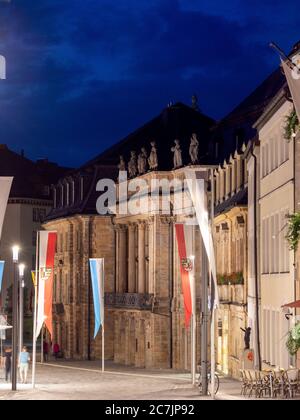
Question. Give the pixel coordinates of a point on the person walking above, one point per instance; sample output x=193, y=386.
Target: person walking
x=24, y=360
x=46, y=351
x=56, y=350
x=7, y=364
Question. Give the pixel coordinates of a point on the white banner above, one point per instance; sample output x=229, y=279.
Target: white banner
x=5, y=186
x=293, y=79
x=199, y=198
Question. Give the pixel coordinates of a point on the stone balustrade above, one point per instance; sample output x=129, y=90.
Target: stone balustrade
x=139, y=301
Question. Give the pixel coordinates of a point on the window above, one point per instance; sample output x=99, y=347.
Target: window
x=73, y=192
x=275, y=249
x=267, y=159
x=62, y=195
x=286, y=149
x=68, y=194
x=54, y=198
x=81, y=188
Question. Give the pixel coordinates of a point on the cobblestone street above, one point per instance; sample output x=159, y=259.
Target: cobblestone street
x=81, y=380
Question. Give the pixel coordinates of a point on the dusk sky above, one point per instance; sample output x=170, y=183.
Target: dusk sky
x=82, y=74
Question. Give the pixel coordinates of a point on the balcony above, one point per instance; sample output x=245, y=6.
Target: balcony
x=138, y=301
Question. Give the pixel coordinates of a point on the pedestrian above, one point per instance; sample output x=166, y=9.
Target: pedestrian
x=7, y=364
x=24, y=360
x=46, y=351
x=56, y=350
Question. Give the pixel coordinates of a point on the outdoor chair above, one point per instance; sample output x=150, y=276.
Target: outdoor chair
x=291, y=382
x=263, y=384
x=246, y=385
x=253, y=385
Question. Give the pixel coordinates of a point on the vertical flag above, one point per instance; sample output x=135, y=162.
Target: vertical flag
x=196, y=187
x=47, y=248
x=5, y=186
x=293, y=78
x=184, y=238
x=1, y=273
x=97, y=277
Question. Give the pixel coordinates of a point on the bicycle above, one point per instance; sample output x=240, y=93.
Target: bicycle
x=217, y=382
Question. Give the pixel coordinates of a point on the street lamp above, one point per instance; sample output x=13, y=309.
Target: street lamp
x=21, y=317
x=15, y=251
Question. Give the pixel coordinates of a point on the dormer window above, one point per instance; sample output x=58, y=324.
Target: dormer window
x=54, y=198
x=67, y=193
x=61, y=195
x=73, y=191
x=81, y=188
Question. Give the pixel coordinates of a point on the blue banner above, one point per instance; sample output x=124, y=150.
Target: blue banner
x=97, y=277
x=1, y=273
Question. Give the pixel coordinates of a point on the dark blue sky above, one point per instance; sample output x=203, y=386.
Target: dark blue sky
x=82, y=74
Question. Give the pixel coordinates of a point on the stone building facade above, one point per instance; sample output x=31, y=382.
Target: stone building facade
x=275, y=200
x=144, y=310
x=230, y=235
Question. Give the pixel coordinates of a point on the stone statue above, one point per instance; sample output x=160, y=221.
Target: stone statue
x=153, y=160
x=247, y=337
x=194, y=149
x=122, y=164
x=142, y=161
x=177, y=155
x=132, y=165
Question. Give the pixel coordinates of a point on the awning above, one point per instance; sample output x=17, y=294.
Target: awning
x=295, y=304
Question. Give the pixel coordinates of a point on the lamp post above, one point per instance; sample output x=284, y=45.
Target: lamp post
x=21, y=317
x=15, y=251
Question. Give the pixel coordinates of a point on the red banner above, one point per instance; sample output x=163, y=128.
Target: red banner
x=185, y=275
x=46, y=277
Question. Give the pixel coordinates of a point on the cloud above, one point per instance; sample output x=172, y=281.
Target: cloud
x=83, y=74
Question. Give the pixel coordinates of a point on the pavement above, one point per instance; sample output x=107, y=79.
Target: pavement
x=84, y=381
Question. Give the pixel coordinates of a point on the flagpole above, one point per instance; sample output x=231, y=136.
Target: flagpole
x=42, y=346
x=35, y=310
x=283, y=55
x=194, y=316
x=212, y=332
x=103, y=336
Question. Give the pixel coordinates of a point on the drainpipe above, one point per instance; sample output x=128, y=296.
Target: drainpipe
x=256, y=261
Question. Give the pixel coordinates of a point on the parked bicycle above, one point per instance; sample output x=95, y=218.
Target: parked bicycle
x=217, y=381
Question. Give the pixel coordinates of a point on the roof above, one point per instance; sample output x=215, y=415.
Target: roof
x=86, y=203
x=178, y=121
x=239, y=199
x=237, y=128
x=175, y=122
x=253, y=106
x=30, y=178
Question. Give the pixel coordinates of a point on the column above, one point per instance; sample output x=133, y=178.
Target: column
x=131, y=259
x=141, y=259
x=122, y=259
